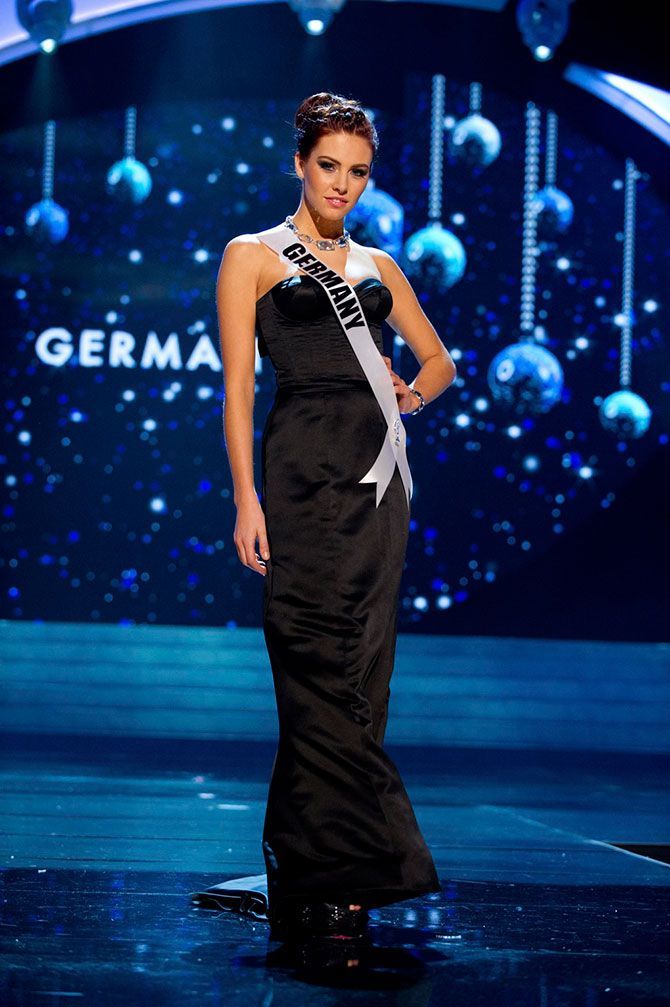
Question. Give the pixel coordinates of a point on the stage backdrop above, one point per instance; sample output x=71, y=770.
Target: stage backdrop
x=118, y=499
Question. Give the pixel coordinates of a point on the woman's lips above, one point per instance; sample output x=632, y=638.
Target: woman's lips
x=335, y=201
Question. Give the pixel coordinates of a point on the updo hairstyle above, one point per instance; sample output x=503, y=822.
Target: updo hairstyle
x=324, y=113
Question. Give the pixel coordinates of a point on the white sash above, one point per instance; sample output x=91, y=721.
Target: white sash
x=352, y=318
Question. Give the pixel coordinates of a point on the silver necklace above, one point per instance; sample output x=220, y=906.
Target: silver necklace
x=326, y=244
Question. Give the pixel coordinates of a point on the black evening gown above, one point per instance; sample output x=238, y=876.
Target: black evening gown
x=339, y=825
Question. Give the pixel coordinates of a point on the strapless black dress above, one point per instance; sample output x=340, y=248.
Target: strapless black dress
x=339, y=825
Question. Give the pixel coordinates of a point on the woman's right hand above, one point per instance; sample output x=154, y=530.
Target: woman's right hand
x=250, y=525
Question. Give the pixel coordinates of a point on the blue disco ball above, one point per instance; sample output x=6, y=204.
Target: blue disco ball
x=526, y=377
x=625, y=414
x=554, y=211
x=47, y=221
x=129, y=181
x=475, y=140
x=378, y=220
x=435, y=257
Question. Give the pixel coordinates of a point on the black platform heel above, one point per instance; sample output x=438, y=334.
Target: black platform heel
x=302, y=920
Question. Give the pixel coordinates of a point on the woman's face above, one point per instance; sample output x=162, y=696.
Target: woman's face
x=338, y=166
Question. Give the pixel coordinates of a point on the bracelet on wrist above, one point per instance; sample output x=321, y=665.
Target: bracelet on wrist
x=422, y=401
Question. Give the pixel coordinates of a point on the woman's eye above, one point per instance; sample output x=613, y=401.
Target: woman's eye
x=360, y=172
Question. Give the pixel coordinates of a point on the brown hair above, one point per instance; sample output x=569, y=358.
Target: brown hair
x=324, y=113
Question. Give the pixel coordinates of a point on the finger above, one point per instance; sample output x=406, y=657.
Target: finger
x=263, y=545
x=242, y=554
x=257, y=563
x=259, y=566
x=253, y=560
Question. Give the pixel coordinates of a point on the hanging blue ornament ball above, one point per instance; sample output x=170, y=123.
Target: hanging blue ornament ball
x=542, y=23
x=554, y=211
x=129, y=181
x=377, y=219
x=475, y=140
x=526, y=377
x=47, y=221
x=625, y=414
x=435, y=257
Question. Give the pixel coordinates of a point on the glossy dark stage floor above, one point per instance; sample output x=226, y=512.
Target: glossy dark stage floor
x=104, y=840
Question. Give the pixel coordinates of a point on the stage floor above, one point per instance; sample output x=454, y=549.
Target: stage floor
x=103, y=841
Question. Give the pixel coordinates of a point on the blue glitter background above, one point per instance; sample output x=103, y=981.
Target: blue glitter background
x=118, y=498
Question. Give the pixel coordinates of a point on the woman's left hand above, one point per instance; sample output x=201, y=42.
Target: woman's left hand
x=407, y=400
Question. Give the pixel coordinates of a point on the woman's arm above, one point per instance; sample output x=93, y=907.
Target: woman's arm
x=409, y=320
x=236, y=311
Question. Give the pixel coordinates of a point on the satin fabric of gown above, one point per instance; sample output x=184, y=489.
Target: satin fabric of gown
x=339, y=825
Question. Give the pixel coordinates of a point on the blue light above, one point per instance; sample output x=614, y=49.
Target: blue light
x=650, y=106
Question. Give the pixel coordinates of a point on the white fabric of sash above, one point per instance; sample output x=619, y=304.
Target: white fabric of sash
x=348, y=310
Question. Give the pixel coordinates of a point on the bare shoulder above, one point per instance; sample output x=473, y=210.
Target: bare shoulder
x=241, y=260
x=248, y=249
x=366, y=258
x=252, y=240
x=389, y=270
x=243, y=244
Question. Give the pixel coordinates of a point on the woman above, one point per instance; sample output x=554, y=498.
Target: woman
x=340, y=835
